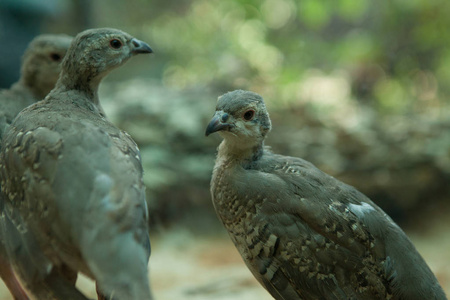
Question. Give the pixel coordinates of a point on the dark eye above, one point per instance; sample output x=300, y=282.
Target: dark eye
x=249, y=114
x=55, y=56
x=115, y=44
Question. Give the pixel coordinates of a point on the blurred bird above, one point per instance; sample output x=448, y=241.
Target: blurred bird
x=72, y=183
x=302, y=233
x=41, y=65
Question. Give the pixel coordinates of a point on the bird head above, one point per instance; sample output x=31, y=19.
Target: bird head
x=95, y=52
x=241, y=118
x=41, y=62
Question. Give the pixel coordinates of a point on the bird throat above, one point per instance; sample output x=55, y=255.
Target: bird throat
x=231, y=151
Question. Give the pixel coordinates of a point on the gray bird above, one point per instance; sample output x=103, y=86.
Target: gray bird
x=72, y=183
x=302, y=233
x=41, y=64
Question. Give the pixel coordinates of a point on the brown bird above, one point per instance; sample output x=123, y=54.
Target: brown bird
x=302, y=233
x=72, y=183
x=41, y=65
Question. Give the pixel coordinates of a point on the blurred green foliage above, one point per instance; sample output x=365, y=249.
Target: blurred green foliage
x=394, y=55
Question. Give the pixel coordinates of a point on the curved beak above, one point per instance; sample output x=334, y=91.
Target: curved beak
x=216, y=125
x=140, y=47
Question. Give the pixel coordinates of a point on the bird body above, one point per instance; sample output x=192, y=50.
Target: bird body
x=54, y=137
x=73, y=181
x=302, y=233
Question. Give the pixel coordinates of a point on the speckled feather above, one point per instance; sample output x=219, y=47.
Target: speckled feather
x=73, y=180
x=302, y=233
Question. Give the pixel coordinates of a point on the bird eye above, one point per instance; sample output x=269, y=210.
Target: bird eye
x=55, y=56
x=225, y=117
x=249, y=114
x=115, y=44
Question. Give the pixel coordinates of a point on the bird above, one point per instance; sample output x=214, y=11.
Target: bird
x=302, y=233
x=41, y=64
x=72, y=183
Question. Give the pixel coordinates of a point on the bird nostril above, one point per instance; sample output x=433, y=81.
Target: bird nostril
x=224, y=117
x=135, y=43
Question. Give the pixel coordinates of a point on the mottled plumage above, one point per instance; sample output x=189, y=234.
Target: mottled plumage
x=41, y=65
x=73, y=185
x=302, y=233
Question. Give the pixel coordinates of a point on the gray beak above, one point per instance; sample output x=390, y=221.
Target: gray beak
x=216, y=124
x=140, y=47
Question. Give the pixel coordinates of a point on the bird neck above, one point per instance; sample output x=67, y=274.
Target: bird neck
x=231, y=151
x=85, y=86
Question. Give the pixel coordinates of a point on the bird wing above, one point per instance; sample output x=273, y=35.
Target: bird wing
x=313, y=235
x=323, y=238
x=386, y=258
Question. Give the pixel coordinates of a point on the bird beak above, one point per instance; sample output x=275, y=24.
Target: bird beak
x=216, y=124
x=140, y=47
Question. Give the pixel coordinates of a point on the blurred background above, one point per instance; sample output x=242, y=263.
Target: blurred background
x=359, y=88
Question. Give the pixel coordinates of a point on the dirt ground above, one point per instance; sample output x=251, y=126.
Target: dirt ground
x=185, y=266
